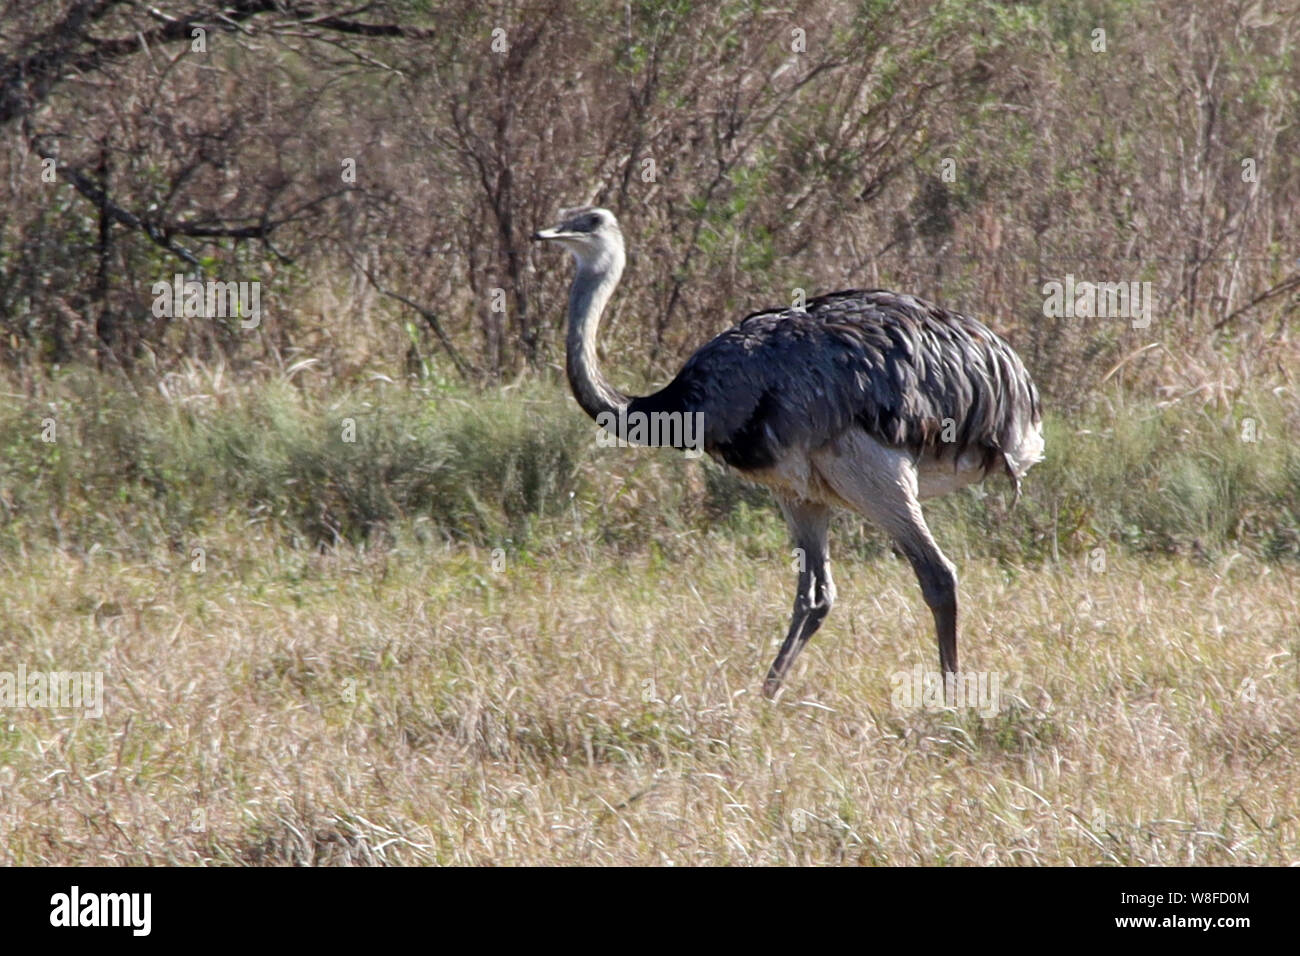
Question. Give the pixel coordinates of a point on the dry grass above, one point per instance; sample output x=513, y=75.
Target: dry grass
x=412, y=705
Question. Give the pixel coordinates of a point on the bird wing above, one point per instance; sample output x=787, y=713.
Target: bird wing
x=909, y=373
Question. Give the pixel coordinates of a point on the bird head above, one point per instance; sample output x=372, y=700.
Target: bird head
x=590, y=233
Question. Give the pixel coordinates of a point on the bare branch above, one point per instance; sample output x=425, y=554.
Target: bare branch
x=162, y=232
x=66, y=48
x=1289, y=284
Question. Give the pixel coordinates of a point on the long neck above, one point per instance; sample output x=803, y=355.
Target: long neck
x=592, y=287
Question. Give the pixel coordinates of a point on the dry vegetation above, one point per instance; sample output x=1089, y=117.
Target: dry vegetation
x=570, y=675
x=590, y=708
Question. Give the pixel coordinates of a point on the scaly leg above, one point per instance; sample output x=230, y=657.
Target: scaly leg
x=809, y=524
x=880, y=483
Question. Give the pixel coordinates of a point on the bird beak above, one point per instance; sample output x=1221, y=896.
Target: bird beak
x=554, y=233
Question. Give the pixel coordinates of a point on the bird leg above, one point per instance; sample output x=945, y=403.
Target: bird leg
x=815, y=594
x=881, y=484
x=938, y=581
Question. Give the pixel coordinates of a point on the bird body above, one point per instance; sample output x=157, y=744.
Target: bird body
x=864, y=399
x=787, y=383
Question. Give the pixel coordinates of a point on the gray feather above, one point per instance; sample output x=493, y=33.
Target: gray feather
x=907, y=372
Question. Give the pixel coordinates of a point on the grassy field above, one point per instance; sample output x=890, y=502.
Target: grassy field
x=503, y=645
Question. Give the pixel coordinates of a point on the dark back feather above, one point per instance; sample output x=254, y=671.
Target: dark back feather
x=894, y=365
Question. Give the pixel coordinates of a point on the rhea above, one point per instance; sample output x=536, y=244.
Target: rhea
x=862, y=399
